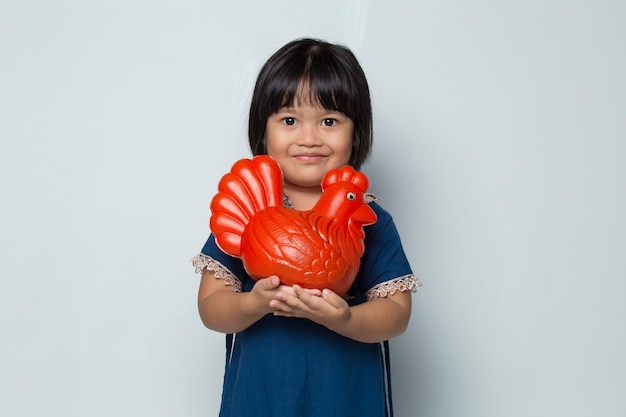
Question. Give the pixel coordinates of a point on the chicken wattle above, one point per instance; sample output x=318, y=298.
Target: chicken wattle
x=318, y=248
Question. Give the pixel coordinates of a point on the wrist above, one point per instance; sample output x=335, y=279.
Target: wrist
x=341, y=323
x=255, y=305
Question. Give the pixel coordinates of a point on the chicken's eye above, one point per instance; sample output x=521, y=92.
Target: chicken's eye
x=350, y=196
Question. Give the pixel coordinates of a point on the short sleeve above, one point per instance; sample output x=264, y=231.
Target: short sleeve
x=226, y=267
x=385, y=268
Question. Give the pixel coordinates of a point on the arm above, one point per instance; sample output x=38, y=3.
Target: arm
x=370, y=322
x=227, y=311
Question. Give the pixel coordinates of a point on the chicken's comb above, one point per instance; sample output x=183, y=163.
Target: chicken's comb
x=346, y=174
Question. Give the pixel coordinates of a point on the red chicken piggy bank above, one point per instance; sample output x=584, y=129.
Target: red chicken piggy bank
x=318, y=248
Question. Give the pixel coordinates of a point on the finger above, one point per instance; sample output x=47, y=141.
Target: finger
x=312, y=304
x=279, y=305
x=304, y=292
x=290, y=301
x=311, y=291
x=286, y=289
x=285, y=310
x=332, y=298
x=314, y=291
x=304, y=295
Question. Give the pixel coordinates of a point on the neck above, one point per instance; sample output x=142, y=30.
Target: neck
x=303, y=198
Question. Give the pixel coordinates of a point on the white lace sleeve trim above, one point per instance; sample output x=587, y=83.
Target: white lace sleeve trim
x=202, y=262
x=405, y=283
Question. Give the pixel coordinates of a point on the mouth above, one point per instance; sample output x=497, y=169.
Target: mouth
x=309, y=158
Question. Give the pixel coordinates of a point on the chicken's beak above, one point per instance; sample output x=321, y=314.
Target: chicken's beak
x=364, y=215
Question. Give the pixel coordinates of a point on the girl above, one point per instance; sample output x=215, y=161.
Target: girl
x=296, y=352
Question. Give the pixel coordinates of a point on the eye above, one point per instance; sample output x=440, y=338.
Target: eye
x=350, y=196
x=329, y=122
x=289, y=121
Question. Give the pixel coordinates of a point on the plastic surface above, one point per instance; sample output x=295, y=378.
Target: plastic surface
x=317, y=248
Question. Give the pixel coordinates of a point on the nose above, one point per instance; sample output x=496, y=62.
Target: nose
x=309, y=135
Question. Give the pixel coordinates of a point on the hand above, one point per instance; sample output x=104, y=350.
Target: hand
x=323, y=307
x=265, y=290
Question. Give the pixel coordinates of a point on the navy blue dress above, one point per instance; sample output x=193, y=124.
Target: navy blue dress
x=290, y=367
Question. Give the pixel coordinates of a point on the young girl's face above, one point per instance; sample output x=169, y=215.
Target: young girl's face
x=307, y=141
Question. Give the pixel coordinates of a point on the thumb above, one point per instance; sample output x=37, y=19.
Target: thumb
x=332, y=298
x=270, y=283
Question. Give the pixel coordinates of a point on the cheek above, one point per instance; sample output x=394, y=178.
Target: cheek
x=348, y=145
x=271, y=140
x=348, y=155
x=272, y=146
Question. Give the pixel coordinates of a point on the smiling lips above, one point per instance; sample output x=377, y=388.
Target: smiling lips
x=309, y=158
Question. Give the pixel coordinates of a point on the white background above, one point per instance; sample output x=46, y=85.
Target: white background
x=500, y=150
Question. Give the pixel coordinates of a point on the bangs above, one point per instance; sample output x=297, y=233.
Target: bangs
x=314, y=82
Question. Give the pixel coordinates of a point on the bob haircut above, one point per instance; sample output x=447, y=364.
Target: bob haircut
x=332, y=77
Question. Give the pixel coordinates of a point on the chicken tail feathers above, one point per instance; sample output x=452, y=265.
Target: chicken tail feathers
x=251, y=185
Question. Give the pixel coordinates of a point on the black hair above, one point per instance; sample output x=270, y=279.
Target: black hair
x=332, y=77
